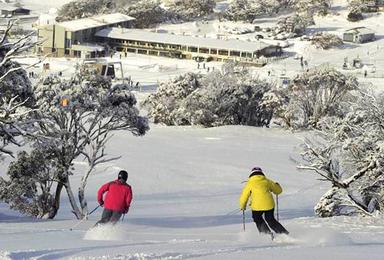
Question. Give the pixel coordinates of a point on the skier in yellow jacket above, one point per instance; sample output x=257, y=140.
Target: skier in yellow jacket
x=259, y=188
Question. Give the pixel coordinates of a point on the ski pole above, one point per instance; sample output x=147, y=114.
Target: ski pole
x=85, y=217
x=277, y=207
x=93, y=210
x=123, y=218
x=233, y=212
x=244, y=220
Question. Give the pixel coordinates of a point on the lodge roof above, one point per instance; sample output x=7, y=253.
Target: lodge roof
x=166, y=38
x=95, y=21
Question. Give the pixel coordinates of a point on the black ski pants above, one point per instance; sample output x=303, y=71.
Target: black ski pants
x=109, y=216
x=270, y=219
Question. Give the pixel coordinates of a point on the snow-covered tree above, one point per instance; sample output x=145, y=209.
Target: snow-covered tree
x=356, y=8
x=349, y=153
x=326, y=41
x=228, y=97
x=162, y=104
x=248, y=10
x=29, y=184
x=84, y=8
x=76, y=118
x=320, y=7
x=16, y=97
x=296, y=23
x=314, y=95
x=189, y=9
x=147, y=12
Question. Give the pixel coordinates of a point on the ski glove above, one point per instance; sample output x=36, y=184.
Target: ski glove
x=101, y=203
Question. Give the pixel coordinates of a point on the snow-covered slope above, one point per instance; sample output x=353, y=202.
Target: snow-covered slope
x=187, y=180
x=186, y=184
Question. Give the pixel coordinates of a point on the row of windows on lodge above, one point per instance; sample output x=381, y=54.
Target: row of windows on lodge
x=184, y=48
x=156, y=53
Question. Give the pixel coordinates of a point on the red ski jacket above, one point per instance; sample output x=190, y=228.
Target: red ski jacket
x=118, y=198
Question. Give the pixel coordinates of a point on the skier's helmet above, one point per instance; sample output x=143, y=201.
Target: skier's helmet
x=123, y=175
x=256, y=169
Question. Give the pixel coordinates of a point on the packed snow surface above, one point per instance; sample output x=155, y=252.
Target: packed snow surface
x=186, y=183
x=187, y=180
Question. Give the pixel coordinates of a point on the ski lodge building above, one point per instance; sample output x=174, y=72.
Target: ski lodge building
x=185, y=47
x=76, y=38
x=92, y=37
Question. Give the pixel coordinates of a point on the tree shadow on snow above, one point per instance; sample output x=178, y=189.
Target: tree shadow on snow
x=14, y=219
x=189, y=222
x=58, y=253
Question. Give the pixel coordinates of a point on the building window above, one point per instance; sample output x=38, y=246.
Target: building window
x=204, y=50
x=153, y=53
x=142, y=51
x=66, y=52
x=68, y=43
x=77, y=53
x=192, y=49
x=164, y=54
x=213, y=51
x=235, y=53
x=223, y=52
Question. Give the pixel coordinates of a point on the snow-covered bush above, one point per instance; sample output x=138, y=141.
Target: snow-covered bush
x=312, y=7
x=248, y=10
x=228, y=97
x=28, y=189
x=314, y=95
x=326, y=41
x=84, y=8
x=147, y=12
x=295, y=23
x=356, y=8
x=348, y=153
x=189, y=9
x=16, y=97
x=162, y=105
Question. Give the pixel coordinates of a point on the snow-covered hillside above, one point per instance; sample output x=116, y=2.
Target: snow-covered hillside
x=186, y=184
x=187, y=180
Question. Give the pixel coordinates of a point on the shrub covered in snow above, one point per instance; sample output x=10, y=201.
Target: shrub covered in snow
x=356, y=8
x=320, y=7
x=349, y=154
x=16, y=95
x=228, y=97
x=326, y=41
x=28, y=188
x=189, y=9
x=84, y=8
x=315, y=95
x=248, y=10
x=147, y=12
x=295, y=23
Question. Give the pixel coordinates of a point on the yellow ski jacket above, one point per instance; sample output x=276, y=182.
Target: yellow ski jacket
x=259, y=188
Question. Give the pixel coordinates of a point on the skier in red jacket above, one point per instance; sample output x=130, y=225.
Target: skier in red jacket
x=117, y=200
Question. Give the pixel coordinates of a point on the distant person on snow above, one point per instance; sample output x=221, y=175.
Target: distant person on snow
x=259, y=188
x=117, y=200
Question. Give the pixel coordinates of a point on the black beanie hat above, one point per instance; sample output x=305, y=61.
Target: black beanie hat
x=123, y=175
